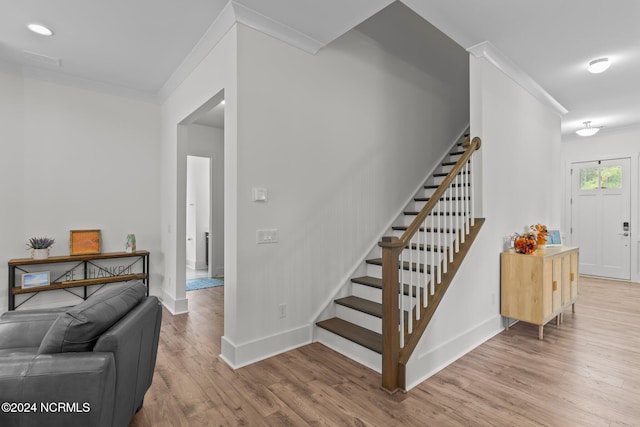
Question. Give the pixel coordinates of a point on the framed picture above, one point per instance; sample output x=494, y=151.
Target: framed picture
x=554, y=238
x=32, y=280
x=84, y=242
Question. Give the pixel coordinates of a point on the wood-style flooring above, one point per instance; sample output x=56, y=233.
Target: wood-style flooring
x=586, y=372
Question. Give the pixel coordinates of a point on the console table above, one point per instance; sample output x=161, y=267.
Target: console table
x=79, y=271
x=536, y=288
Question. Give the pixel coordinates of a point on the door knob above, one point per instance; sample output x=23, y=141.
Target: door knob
x=623, y=234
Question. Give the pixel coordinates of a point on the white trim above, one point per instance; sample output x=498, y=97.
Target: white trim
x=282, y=32
x=247, y=353
x=489, y=52
x=174, y=306
x=217, y=30
x=421, y=367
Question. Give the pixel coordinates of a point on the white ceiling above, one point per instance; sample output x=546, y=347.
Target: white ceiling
x=137, y=46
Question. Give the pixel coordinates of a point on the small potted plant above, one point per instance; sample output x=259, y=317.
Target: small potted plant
x=39, y=247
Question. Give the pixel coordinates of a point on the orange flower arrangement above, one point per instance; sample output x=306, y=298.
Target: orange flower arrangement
x=541, y=233
x=526, y=243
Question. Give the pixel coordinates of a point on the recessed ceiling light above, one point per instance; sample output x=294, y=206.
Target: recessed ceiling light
x=222, y=102
x=598, y=65
x=587, y=130
x=40, y=29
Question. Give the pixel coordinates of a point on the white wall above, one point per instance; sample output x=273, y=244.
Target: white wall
x=78, y=159
x=214, y=78
x=12, y=244
x=340, y=140
x=607, y=144
x=520, y=157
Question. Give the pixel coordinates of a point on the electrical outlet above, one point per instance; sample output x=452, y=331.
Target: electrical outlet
x=282, y=310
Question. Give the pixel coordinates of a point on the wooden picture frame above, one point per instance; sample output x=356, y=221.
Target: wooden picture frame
x=33, y=280
x=85, y=242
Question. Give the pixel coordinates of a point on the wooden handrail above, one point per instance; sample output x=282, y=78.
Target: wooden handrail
x=393, y=357
x=470, y=147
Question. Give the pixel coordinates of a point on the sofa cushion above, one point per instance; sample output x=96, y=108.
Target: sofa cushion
x=79, y=327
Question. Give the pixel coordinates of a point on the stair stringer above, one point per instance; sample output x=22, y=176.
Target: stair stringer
x=344, y=285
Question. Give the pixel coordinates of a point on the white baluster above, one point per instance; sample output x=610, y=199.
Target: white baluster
x=400, y=282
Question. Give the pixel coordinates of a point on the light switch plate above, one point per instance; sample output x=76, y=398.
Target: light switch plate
x=259, y=195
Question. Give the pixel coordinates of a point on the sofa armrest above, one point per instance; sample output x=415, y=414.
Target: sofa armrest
x=57, y=389
x=25, y=328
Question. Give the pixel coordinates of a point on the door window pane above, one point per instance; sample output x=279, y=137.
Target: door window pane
x=611, y=177
x=589, y=178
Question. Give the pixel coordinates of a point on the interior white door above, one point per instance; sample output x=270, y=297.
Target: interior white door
x=600, y=217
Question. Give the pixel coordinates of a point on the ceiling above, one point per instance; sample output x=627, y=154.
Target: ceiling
x=139, y=47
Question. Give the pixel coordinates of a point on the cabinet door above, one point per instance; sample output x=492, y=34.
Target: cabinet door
x=573, y=275
x=556, y=284
x=547, y=290
x=566, y=279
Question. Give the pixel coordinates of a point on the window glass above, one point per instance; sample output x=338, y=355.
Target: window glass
x=589, y=178
x=611, y=177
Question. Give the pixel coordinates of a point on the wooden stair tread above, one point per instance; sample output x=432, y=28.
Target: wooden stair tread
x=426, y=199
x=414, y=213
x=376, y=282
x=422, y=229
x=434, y=186
x=361, y=304
x=357, y=334
x=373, y=282
x=405, y=265
x=440, y=174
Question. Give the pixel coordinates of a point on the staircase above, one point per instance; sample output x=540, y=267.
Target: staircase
x=428, y=249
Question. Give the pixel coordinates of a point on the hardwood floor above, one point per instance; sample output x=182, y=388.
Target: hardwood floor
x=586, y=372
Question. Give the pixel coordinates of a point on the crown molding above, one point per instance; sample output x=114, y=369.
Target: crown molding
x=63, y=79
x=216, y=31
x=271, y=27
x=489, y=52
x=231, y=14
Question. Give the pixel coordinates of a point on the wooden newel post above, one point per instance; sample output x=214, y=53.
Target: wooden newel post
x=391, y=248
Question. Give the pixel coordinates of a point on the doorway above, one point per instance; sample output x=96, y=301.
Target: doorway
x=203, y=136
x=601, y=216
x=198, y=216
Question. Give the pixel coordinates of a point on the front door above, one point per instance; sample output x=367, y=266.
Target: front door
x=600, y=217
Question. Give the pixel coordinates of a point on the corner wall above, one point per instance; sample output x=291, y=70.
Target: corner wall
x=519, y=186
x=77, y=159
x=340, y=140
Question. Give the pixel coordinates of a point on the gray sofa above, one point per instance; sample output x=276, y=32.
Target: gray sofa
x=87, y=365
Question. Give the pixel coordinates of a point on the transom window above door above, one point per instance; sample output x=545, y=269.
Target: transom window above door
x=600, y=177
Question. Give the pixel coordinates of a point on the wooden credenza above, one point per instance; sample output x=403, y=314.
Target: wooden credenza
x=538, y=287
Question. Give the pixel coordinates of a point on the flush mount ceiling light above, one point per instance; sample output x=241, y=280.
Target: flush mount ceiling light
x=587, y=130
x=598, y=65
x=40, y=29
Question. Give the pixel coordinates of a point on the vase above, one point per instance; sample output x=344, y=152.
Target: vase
x=40, y=253
x=131, y=243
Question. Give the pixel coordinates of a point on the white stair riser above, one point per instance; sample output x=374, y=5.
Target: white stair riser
x=356, y=352
x=445, y=205
x=375, y=295
x=359, y=318
x=432, y=221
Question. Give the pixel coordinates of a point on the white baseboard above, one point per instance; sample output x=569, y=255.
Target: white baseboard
x=423, y=366
x=239, y=355
x=174, y=306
